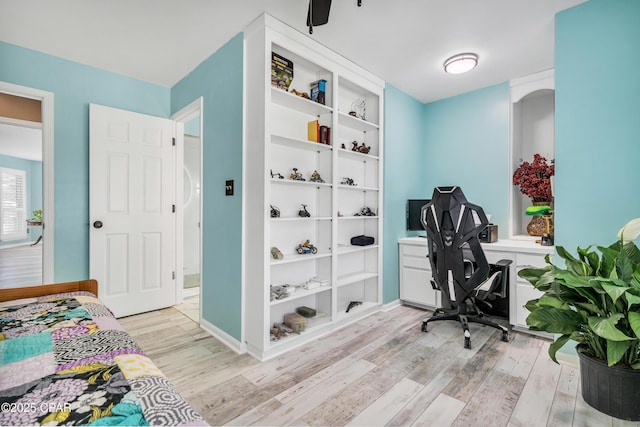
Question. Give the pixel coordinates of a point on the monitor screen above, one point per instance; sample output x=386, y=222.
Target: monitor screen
x=414, y=207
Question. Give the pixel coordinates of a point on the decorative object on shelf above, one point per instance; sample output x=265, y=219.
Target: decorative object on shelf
x=304, y=213
x=281, y=71
x=534, y=180
x=544, y=212
x=593, y=299
x=275, y=212
x=306, y=248
x=317, y=90
x=340, y=214
x=359, y=108
x=305, y=311
x=295, y=322
x=343, y=147
x=296, y=176
x=362, y=240
x=276, y=175
x=315, y=177
x=304, y=95
x=325, y=135
x=276, y=254
x=353, y=304
x=366, y=211
x=360, y=148
x=348, y=181
x=279, y=292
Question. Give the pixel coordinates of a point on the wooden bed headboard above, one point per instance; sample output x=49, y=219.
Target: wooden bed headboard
x=90, y=285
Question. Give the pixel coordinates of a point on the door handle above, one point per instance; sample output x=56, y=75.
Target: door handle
x=97, y=224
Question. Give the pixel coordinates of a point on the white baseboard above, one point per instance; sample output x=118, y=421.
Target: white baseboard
x=190, y=292
x=391, y=305
x=224, y=337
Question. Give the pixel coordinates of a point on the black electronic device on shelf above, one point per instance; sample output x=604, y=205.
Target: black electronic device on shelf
x=414, y=208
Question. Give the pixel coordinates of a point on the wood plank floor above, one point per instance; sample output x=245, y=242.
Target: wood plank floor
x=379, y=371
x=20, y=266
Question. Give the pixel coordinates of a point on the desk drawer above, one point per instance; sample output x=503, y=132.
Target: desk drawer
x=421, y=263
x=530, y=260
x=413, y=250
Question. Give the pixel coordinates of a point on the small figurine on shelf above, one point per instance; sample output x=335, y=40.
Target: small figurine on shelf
x=275, y=212
x=304, y=213
x=359, y=108
x=366, y=211
x=353, y=304
x=296, y=176
x=315, y=177
x=348, y=181
x=343, y=147
x=276, y=254
x=306, y=248
x=360, y=148
x=364, y=149
x=276, y=175
x=301, y=94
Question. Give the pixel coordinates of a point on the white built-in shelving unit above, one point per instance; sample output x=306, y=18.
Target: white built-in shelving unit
x=275, y=143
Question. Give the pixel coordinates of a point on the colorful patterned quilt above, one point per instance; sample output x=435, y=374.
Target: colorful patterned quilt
x=64, y=359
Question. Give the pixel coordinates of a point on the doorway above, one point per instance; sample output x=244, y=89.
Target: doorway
x=189, y=159
x=26, y=194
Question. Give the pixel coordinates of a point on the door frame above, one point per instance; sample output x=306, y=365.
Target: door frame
x=48, y=190
x=182, y=116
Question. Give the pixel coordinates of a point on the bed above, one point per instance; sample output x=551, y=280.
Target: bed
x=65, y=359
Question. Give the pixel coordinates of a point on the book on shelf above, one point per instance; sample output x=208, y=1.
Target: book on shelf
x=313, y=131
x=281, y=71
x=318, y=91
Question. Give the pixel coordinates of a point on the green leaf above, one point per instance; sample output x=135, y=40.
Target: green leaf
x=555, y=320
x=634, y=321
x=624, y=267
x=614, y=291
x=609, y=256
x=616, y=350
x=557, y=345
x=633, y=252
x=632, y=299
x=533, y=275
x=591, y=309
x=551, y=301
x=605, y=327
x=532, y=305
x=574, y=265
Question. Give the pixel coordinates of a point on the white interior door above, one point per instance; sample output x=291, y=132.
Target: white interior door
x=132, y=210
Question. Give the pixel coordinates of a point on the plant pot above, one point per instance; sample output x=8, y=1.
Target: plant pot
x=613, y=390
x=538, y=225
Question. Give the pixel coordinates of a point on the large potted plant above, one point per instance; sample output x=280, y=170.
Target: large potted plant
x=595, y=301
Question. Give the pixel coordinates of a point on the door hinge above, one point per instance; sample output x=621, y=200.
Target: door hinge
x=173, y=275
x=173, y=208
x=173, y=142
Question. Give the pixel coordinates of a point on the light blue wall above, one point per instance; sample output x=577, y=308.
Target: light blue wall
x=467, y=144
x=404, y=170
x=219, y=81
x=33, y=172
x=597, y=144
x=75, y=86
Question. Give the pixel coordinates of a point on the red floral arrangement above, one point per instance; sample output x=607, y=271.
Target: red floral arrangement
x=534, y=178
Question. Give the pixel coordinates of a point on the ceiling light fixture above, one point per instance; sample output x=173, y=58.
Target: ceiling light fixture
x=461, y=63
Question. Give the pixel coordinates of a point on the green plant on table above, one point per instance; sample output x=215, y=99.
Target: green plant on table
x=594, y=300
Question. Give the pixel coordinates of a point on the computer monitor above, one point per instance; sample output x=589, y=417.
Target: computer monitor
x=414, y=208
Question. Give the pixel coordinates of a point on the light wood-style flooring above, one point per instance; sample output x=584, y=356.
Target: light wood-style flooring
x=20, y=266
x=379, y=371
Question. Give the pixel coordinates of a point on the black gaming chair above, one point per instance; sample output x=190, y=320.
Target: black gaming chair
x=458, y=264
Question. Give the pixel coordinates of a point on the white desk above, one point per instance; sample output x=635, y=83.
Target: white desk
x=415, y=273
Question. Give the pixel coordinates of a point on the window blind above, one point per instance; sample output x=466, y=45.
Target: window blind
x=13, y=204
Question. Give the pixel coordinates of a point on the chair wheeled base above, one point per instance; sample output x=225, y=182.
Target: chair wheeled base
x=465, y=319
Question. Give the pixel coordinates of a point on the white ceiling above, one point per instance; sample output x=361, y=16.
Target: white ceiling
x=403, y=42
x=21, y=142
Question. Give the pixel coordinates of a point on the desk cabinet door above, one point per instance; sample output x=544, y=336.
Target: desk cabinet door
x=416, y=287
